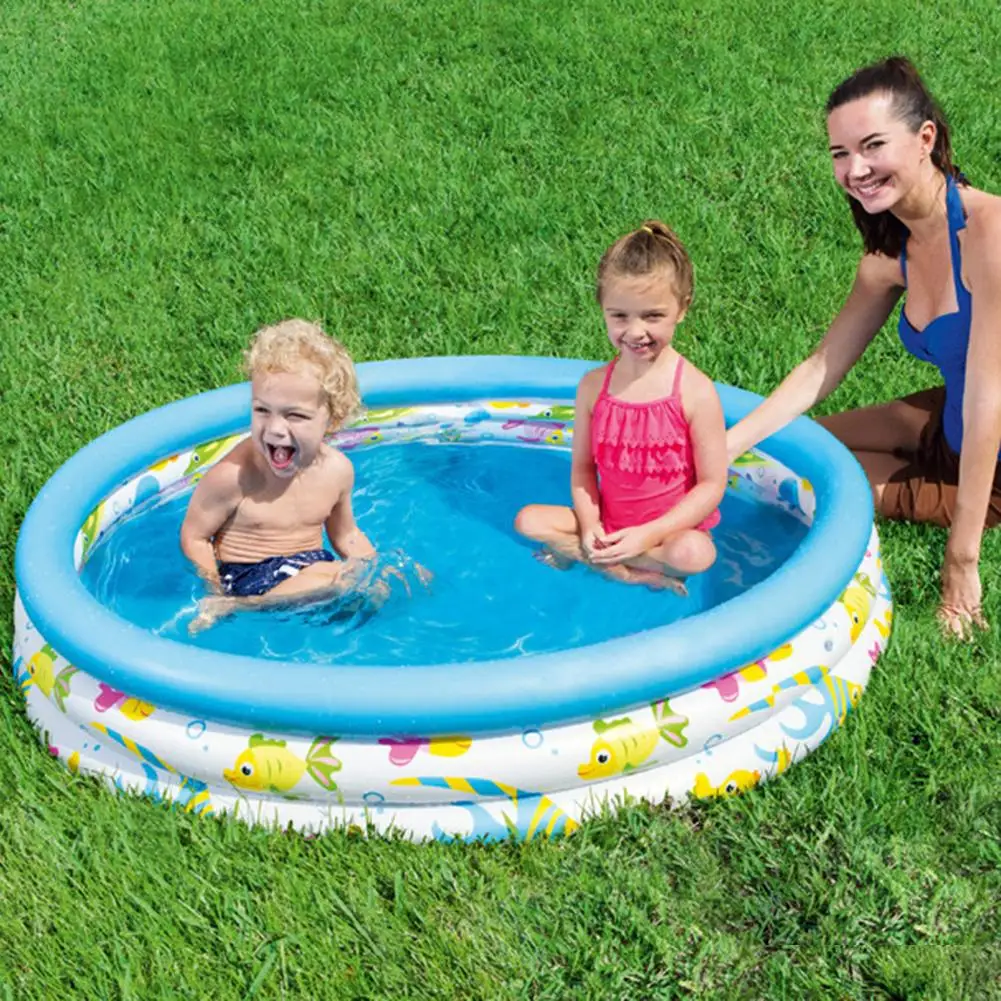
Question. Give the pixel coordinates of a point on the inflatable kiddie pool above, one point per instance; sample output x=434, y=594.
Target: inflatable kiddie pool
x=726, y=694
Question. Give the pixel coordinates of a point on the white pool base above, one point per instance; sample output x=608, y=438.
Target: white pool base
x=526, y=784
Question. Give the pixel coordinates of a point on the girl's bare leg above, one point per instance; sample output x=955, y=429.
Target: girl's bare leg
x=555, y=526
x=678, y=556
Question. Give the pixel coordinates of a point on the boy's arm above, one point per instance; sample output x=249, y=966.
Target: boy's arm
x=348, y=540
x=212, y=504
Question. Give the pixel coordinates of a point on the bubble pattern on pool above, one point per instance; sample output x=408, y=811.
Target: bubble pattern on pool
x=450, y=507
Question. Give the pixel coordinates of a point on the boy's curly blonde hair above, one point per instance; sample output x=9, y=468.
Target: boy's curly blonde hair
x=296, y=346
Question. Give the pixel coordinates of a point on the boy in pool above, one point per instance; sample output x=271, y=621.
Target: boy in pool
x=254, y=525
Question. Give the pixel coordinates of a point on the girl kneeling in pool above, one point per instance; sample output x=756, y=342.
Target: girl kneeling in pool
x=649, y=455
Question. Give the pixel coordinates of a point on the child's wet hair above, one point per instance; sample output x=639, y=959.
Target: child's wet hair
x=295, y=346
x=652, y=249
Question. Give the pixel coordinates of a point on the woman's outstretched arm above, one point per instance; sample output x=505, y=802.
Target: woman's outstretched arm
x=875, y=292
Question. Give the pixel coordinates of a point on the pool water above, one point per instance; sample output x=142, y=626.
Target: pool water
x=451, y=508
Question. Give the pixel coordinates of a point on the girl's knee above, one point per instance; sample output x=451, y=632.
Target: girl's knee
x=690, y=552
x=533, y=522
x=526, y=521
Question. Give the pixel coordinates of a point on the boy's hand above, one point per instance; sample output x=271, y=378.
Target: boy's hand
x=210, y=578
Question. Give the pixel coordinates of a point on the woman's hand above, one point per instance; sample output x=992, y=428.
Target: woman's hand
x=959, y=609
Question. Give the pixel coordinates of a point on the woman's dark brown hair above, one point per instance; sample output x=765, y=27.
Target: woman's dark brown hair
x=882, y=232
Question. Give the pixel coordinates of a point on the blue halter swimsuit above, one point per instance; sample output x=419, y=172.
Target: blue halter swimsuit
x=945, y=340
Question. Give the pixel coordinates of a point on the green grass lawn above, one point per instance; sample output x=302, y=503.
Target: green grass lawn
x=441, y=178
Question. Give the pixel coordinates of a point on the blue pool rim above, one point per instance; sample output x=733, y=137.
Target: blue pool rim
x=468, y=698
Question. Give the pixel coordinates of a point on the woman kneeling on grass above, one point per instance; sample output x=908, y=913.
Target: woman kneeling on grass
x=931, y=456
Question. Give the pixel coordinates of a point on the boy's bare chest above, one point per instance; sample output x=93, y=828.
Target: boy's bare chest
x=303, y=505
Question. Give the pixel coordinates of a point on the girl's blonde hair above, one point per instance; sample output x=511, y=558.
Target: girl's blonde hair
x=651, y=249
x=296, y=346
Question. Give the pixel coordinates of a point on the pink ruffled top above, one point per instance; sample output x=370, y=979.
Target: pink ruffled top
x=643, y=453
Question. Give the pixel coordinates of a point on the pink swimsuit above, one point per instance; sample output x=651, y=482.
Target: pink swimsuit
x=643, y=452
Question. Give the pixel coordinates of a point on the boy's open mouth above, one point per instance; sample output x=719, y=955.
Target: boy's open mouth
x=281, y=456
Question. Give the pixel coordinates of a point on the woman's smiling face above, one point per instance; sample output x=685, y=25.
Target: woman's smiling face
x=877, y=158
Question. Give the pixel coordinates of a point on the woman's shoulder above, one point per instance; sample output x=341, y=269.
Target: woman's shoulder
x=981, y=241
x=983, y=218
x=879, y=273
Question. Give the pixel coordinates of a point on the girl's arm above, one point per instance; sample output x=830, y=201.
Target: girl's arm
x=583, y=477
x=981, y=427
x=348, y=540
x=872, y=298
x=212, y=504
x=708, y=429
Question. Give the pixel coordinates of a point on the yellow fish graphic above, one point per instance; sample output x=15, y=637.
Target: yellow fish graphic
x=208, y=452
x=450, y=747
x=269, y=765
x=857, y=600
x=623, y=745
x=384, y=415
x=136, y=709
x=737, y=781
x=91, y=527
x=41, y=672
x=883, y=628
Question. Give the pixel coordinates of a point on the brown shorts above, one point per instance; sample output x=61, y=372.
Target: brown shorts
x=925, y=489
